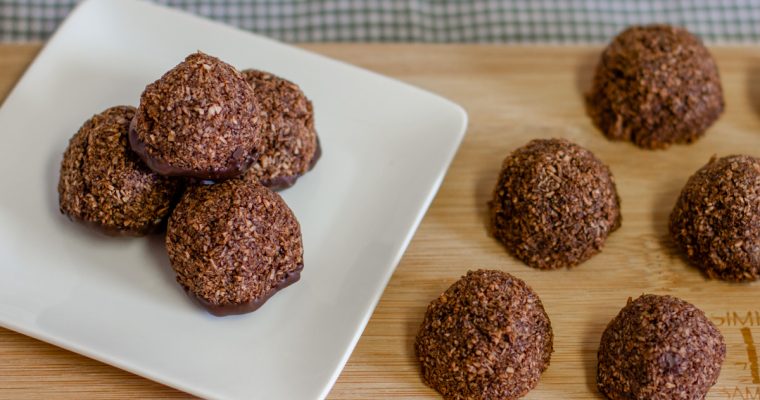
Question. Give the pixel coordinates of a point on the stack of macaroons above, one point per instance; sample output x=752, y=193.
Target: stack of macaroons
x=202, y=151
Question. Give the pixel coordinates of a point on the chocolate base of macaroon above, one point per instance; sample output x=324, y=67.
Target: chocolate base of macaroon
x=242, y=162
x=274, y=184
x=283, y=182
x=223, y=310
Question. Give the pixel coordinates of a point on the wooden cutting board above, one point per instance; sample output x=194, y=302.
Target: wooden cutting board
x=512, y=94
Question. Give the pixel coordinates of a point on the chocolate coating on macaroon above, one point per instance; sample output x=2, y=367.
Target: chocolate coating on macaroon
x=655, y=85
x=659, y=347
x=486, y=337
x=554, y=204
x=104, y=184
x=289, y=147
x=233, y=245
x=199, y=120
x=716, y=220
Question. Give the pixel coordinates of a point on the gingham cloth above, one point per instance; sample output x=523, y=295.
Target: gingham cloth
x=518, y=21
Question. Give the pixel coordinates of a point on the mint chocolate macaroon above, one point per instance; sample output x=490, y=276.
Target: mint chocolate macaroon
x=554, y=204
x=198, y=120
x=716, y=220
x=659, y=347
x=655, y=86
x=486, y=337
x=104, y=184
x=289, y=147
x=233, y=245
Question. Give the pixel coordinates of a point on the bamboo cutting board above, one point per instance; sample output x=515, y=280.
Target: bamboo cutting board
x=512, y=94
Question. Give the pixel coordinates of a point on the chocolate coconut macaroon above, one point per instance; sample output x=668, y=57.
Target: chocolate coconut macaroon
x=486, y=337
x=659, y=347
x=289, y=147
x=554, y=204
x=199, y=120
x=233, y=245
x=655, y=85
x=716, y=220
x=103, y=184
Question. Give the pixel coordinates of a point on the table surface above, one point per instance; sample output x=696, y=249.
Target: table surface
x=512, y=94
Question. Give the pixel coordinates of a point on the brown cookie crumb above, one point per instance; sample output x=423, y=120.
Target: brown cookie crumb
x=716, y=220
x=486, y=337
x=554, y=204
x=290, y=146
x=103, y=184
x=659, y=348
x=233, y=245
x=655, y=85
x=199, y=120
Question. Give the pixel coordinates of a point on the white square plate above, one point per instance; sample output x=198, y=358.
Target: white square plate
x=386, y=146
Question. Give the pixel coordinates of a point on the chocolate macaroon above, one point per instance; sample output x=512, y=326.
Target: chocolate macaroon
x=554, y=204
x=233, y=245
x=199, y=120
x=716, y=220
x=659, y=347
x=486, y=337
x=104, y=184
x=289, y=147
x=655, y=85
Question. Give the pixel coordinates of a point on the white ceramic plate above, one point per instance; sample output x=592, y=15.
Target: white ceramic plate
x=386, y=146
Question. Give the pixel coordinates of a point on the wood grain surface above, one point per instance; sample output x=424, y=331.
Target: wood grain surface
x=512, y=94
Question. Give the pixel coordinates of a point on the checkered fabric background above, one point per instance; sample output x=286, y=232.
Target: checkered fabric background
x=516, y=21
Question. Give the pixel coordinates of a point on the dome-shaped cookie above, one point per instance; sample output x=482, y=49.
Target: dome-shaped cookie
x=289, y=147
x=233, y=245
x=103, y=184
x=716, y=220
x=655, y=85
x=659, y=347
x=199, y=120
x=554, y=204
x=486, y=337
